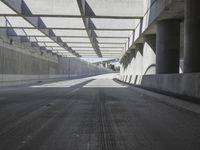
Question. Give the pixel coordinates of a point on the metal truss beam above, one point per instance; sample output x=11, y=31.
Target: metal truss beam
x=20, y=7
x=85, y=10
x=56, y=28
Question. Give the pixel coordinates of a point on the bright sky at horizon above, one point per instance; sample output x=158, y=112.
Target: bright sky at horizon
x=94, y=60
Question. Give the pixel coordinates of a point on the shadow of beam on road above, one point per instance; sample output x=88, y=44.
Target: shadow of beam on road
x=64, y=84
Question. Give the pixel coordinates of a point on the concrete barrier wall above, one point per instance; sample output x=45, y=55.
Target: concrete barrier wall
x=23, y=64
x=19, y=60
x=185, y=85
x=77, y=67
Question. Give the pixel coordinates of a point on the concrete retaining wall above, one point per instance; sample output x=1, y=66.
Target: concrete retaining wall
x=21, y=64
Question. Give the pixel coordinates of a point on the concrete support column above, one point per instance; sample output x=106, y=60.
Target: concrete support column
x=132, y=58
x=127, y=60
x=151, y=41
x=132, y=55
x=192, y=36
x=139, y=59
x=129, y=63
x=124, y=70
x=121, y=71
x=167, y=46
x=133, y=61
x=127, y=69
x=149, y=54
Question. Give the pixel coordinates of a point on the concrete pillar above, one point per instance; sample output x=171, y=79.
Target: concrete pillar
x=149, y=54
x=133, y=53
x=151, y=41
x=121, y=71
x=132, y=57
x=125, y=67
x=129, y=63
x=139, y=59
x=129, y=69
x=167, y=46
x=192, y=39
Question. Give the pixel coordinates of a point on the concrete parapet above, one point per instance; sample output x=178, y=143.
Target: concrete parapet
x=180, y=85
x=19, y=64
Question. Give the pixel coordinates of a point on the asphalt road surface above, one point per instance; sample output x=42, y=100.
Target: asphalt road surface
x=93, y=113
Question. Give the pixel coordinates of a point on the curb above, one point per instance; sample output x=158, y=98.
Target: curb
x=189, y=106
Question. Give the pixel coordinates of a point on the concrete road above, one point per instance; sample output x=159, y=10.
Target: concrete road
x=93, y=113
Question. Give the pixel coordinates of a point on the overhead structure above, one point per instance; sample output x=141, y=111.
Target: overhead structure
x=72, y=28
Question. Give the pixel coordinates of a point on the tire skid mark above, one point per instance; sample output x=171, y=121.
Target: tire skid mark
x=105, y=130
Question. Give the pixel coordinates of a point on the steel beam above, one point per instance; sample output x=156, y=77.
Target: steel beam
x=85, y=9
x=20, y=7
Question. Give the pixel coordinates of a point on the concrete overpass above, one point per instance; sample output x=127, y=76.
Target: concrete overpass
x=52, y=99
x=162, y=54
